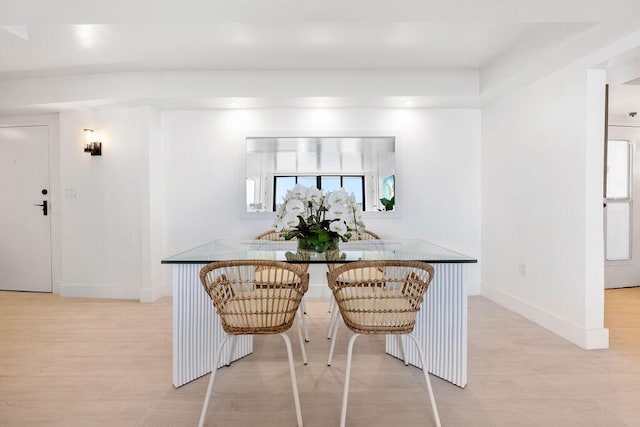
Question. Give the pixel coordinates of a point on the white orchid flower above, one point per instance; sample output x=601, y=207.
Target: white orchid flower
x=299, y=191
x=295, y=206
x=314, y=195
x=337, y=211
x=337, y=198
x=338, y=227
x=311, y=204
x=290, y=221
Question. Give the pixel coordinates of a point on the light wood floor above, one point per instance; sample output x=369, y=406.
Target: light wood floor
x=80, y=362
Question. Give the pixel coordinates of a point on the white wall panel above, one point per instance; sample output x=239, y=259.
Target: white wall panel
x=437, y=173
x=542, y=240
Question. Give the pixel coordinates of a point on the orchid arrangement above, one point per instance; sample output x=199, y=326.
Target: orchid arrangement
x=306, y=213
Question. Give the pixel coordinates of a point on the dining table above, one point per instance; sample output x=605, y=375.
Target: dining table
x=441, y=323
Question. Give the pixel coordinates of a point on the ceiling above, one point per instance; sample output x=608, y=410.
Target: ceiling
x=89, y=37
x=95, y=48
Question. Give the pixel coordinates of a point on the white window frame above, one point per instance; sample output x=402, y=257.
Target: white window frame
x=629, y=200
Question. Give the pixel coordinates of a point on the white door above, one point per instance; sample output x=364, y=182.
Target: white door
x=25, y=230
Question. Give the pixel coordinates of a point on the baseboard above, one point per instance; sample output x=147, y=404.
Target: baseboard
x=589, y=339
x=148, y=295
x=318, y=290
x=99, y=291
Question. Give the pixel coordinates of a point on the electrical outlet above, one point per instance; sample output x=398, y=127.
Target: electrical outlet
x=523, y=269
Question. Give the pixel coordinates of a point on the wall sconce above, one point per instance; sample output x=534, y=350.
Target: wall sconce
x=91, y=145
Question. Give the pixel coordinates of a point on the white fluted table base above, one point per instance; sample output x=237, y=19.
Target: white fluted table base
x=441, y=326
x=197, y=330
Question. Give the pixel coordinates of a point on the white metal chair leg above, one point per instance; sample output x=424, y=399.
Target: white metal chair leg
x=332, y=304
x=332, y=322
x=402, y=349
x=212, y=379
x=231, y=350
x=294, y=383
x=347, y=375
x=333, y=342
x=299, y=328
x=303, y=313
x=425, y=371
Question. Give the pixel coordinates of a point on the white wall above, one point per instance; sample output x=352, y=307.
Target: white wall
x=541, y=204
x=169, y=181
x=108, y=231
x=437, y=172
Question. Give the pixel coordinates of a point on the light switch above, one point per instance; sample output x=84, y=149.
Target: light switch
x=71, y=193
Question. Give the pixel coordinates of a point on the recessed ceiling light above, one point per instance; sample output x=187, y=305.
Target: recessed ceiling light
x=321, y=103
x=408, y=103
x=234, y=104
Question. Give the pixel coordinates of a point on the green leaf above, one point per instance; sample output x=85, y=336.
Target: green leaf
x=388, y=203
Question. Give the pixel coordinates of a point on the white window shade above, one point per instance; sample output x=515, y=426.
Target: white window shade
x=618, y=169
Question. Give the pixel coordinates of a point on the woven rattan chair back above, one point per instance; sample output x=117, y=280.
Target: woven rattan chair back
x=255, y=296
x=365, y=235
x=270, y=235
x=380, y=297
x=276, y=237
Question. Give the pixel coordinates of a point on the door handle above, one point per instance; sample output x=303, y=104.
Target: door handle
x=45, y=208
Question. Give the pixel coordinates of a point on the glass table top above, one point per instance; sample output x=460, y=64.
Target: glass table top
x=360, y=250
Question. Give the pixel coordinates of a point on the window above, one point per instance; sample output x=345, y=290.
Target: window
x=352, y=183
x=618, y=201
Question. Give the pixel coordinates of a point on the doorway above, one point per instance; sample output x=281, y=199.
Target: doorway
x=25, y=225
x=619, y=217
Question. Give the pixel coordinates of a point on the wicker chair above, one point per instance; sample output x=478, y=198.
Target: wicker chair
x=255, y=297
x=365, y=235
x=270, y=235
x=371, y=303
x=275, y=236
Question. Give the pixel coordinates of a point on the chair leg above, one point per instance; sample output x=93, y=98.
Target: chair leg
x=303, y=313
x=203, y=414
x=231, y=350
x=299, y=328
x=333, y=342
x=347, y=375
x=294, y=383
x=332, y=322
x=332, y=304
x=425, y=371
x=402, y=349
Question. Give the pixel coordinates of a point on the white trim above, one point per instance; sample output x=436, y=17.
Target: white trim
x=105, y=290
x=589, y=339
x=149, y=295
